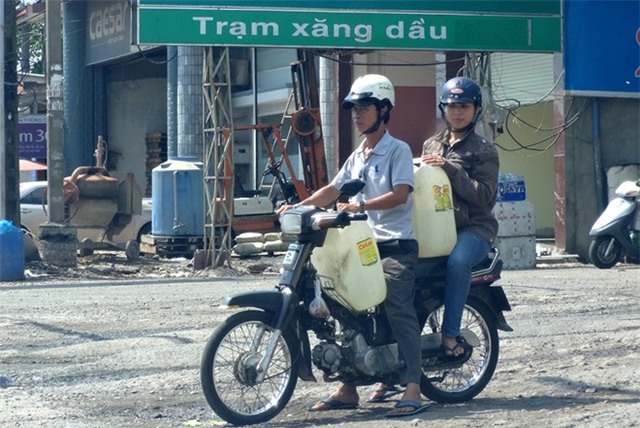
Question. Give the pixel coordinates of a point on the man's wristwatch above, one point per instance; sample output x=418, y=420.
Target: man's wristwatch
x=362, y=207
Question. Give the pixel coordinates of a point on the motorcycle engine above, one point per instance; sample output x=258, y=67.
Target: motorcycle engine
x=355, y=357
x=327, y=357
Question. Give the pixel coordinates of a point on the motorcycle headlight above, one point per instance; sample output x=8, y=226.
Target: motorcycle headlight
x=291, y=223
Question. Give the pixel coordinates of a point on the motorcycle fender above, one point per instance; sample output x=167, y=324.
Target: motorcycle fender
x=275, y=302
x=495, y=298
x=283, y=308
x=304, y=371
x=282, y=304
x=268, y=300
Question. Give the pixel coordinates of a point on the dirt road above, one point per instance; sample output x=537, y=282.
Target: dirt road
x=125, y=353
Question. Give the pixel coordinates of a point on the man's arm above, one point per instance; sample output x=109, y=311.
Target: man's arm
x=321, y=198
x=397, y=196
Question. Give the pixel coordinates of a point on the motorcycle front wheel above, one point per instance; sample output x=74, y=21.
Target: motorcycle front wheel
x=605, y=252
x=229, y=369
x=462, y=382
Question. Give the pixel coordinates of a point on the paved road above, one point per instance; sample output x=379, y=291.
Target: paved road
x=126, y=354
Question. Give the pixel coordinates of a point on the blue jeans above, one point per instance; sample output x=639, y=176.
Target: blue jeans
x=469, y=250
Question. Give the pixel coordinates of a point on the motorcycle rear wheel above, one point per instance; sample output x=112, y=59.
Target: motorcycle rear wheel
x=229, y=367
x=605, y=252
x=462, y=383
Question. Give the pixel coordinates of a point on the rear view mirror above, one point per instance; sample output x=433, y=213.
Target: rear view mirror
x=352, y=187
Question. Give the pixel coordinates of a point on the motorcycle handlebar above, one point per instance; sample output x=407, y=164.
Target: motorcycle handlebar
x=341, y=219
x=359, y=217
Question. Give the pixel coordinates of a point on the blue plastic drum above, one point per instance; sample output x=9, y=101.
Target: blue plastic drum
x=11, y=252
x=178, y=199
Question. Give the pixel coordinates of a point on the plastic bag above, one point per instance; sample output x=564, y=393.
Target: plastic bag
x=318, y=307
x=7, y=227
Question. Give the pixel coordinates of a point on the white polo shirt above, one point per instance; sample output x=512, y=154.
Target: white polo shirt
x=389, y=164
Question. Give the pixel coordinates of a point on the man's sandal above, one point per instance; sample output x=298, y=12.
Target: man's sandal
x=327, y=404
x=382, y=394
x=414, y=406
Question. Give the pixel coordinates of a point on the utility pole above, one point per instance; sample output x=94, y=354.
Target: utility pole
x=9, y=148
x=58, y=239
x=3, y=145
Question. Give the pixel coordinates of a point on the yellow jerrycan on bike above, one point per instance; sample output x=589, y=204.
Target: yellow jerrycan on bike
x=349, y=267
x=434, y=221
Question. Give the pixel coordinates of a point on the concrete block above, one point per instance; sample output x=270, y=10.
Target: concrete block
x=515, y=218
x=517, y=252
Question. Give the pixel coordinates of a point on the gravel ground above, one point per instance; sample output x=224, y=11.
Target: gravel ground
x=118, y=343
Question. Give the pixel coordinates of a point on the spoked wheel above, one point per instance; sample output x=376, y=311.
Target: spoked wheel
x=231, y=364
x=605, y=252
x=461, y=382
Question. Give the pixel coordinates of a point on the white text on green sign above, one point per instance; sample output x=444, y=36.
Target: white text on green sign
x=324, y=29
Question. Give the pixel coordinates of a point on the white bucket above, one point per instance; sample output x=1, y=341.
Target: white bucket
x=349, y=267
x=434, y=221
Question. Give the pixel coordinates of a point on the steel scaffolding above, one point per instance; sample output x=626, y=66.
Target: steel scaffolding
x=218, y=156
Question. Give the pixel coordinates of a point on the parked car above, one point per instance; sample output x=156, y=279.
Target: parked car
x=122, y=230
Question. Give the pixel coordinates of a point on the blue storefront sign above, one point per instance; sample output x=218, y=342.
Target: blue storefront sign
x=32, y=135
x=602, y=48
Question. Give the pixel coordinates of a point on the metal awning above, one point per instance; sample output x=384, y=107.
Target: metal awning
x=27, y=165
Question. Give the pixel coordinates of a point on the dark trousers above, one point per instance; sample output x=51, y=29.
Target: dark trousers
x=399, y=258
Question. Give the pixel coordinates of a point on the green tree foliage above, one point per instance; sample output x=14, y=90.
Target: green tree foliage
x=30, y=39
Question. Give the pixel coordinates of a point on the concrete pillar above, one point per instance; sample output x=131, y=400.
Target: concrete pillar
x=79, y=140
x=57, y=243
x=189, y=115
x=329, y=103
x=172, y=102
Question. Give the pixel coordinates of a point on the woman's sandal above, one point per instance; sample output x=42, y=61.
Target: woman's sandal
x=448, y=354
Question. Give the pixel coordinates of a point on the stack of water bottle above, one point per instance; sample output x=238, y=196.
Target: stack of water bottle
x=517, y=225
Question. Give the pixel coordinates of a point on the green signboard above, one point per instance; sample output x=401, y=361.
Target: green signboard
x=353, y=29
x=515, y=7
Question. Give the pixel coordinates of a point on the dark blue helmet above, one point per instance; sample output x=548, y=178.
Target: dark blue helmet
x=461, y=90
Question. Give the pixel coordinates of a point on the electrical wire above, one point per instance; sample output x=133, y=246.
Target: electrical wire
x=568, y=123
x=30, y=104
x=399, y=64
x=152, y=61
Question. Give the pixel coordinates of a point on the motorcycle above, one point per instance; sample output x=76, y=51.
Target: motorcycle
x=617, y=231
x=252, y=361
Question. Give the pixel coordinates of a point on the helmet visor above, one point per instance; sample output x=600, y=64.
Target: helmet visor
x=451, y=100
x=360, y=99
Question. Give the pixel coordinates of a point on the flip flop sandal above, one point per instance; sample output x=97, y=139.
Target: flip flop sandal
x=447, y=354
x=383, y=394
x=415, y=405
x=332, y=404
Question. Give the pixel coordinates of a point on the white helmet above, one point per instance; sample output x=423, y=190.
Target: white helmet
x=370, y=89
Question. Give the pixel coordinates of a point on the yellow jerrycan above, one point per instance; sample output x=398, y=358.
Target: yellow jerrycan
x=349, y=267
x=434, y=222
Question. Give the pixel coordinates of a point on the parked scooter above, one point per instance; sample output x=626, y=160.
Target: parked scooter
x=252, y=361
x=617, y=231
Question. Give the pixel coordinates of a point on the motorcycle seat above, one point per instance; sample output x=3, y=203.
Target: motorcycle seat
x=435, y=267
